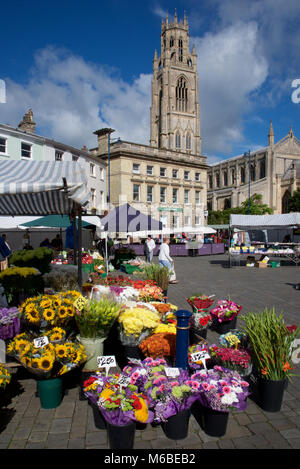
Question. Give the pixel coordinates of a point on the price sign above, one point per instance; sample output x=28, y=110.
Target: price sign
x=80, y=302
x=172, y=372
x=200, y=356
x=123, y=381
x=232, y=339
x=40, y=342
x=106, y=361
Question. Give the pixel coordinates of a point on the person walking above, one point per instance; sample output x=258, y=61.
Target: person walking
x=165, y=259
x=150, y=248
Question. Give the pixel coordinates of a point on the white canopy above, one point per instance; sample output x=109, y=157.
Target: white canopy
x=10, y=223
x=264, y=222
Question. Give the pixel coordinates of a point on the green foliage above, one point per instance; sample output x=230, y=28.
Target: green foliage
x=222, y=217
x=160, y=274
x=39, y=258
x=271, y=343
x=294, y=201
x=97, y=317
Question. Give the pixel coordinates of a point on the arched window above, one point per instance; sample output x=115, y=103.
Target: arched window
x=181, y=95
x=171, y=41
x=285, y=202
x=243, y=175
x=217, y=179
x=189, y=62
x=210, y=181
x=232, y=176
x=227, y=203
x=252, y=172
x=180, y=50
x=177, y=139
x=188, y=141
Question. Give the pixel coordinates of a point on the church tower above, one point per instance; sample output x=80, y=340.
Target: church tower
x=175, y=110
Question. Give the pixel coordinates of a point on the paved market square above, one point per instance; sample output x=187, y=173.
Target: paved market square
x=25, y=425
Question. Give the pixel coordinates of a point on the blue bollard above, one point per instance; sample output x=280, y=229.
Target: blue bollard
x=182, y=338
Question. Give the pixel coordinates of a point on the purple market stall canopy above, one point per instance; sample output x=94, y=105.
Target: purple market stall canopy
x=41, y=187
x=126, y=219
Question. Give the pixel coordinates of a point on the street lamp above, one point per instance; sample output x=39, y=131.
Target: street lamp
x=249, y=162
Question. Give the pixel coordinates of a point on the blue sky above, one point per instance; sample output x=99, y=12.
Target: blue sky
x=85, y=65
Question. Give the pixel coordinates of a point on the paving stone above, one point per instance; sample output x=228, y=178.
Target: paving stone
x=22, y=433
x=242, y=419
x=35, y=445
x=38, y=436
x=251, y=442
x=257, y=417
x=57, y=441
x=77, y=431
x=276, y=440
x=234, y=431
x=282, y=424
x=76, y=443
x=259, y=427
x=17, y=444
x=96, y=438
x=191, y=439
x=295, y=443
x=65, y=410
x=60, y=425
x=226, y=444
x=210, y=445
x=163, y=443
x=291, y=433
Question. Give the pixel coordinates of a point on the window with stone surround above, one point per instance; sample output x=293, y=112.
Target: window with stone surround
x=149, y=193
x=163, y=193
x=175, y=196
x=186, y=196
x=197, y=197
x=178, y=140
x=181, y=95
x=186, y=175
x=243, y=175
x=175, y=173
x=58, y=155
x=149, y=170
x=188, y=141
x=180, y=50
x=225, y=178
x=163, y=172
x=136, y=192
x=135, y=168
x=197, y=177
x=217, y=179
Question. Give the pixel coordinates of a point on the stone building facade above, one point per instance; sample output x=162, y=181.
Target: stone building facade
x=167, y=178
x=273, y=172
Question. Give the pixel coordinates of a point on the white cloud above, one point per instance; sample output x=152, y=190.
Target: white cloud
x=71, y=98
x=231, y=67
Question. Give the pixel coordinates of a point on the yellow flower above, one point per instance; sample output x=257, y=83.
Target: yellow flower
x=45, y=363
x=60, y=350
x=62, y=312
x=46, y=303
x=106, y=393
x=56, y=302
x=33, y=316
x=49, y=314
x=142, y=414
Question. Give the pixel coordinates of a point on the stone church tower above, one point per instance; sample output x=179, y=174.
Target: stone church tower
x=175, y=110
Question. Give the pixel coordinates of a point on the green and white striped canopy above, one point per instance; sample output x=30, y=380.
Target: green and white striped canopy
x=41, y=187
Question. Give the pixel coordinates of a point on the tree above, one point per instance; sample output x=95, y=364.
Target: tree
x=294, y=201
x=222, y=217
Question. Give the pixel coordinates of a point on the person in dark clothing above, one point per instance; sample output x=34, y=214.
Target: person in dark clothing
x=56, y=243
x=46, y=243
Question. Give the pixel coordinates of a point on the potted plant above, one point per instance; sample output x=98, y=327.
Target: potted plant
x=225, y=315
x=121, y=405
x=271, y=349
x=160, y=275
x=220, y=390
x=20, y=282
x=233, y=359
x=135, y=325
x=200, y=301
x=48, y=362
x=94, y=322
x=170, y=393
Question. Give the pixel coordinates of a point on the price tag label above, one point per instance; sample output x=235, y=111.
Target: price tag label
x=80, y=302
x=123, y=381
x=135, y=361
x=40, y=342
x=172, y=372
x=106, y=361
x=200, y=356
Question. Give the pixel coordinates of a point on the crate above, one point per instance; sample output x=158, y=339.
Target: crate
x=275, y=264
x=88, y=267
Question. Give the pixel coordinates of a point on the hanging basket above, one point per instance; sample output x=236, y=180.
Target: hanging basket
x=177, y=426
x=121, y=437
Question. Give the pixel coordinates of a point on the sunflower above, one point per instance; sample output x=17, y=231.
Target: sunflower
x=70, y=311
x=62, y=312
x=45, y=303
x=35, y=362
x=61, y=351
x=29, y=307
x=56, y=302
x=46, y=363
x=58, y=330
x=33, y=316
x=21, y=344
x=49, y=314
x=56, y=336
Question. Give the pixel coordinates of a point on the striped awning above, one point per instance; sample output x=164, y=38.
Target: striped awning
x=41, y=187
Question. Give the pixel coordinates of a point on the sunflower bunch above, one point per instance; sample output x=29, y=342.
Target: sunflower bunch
x=56, y=335
x=47, y=311
x=5, y=376
x=48, y=361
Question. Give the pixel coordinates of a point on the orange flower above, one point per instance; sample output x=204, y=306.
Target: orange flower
x=286, y=367
x=264, y=371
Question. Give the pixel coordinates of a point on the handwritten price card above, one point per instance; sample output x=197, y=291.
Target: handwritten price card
x=80, y=303
x=106, y=361
x=201, y=356
x=172, y=372
x=40, y=342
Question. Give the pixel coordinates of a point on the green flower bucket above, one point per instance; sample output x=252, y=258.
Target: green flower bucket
x=50, y=392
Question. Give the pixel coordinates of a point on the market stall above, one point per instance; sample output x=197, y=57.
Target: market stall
x=266, y=250
x=39, y=188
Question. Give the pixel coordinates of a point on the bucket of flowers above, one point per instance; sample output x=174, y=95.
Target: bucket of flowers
x=5, y=377
x=10, y=322
x=200, y=301
x=235, y=359
x=199, y=356
x=47, y=361
x=161, y=344
x=135, y=325
x=170, y=392
x=225, y=315
x=221, y=390
x=121, y=406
